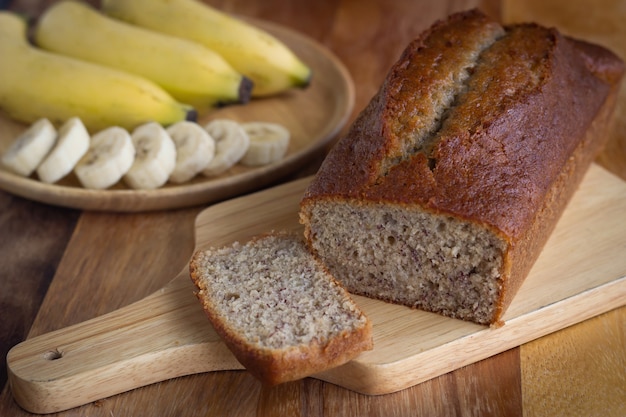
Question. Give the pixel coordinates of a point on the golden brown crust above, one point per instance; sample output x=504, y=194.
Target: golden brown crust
x=278, y=366
x=373, y=137
x=510, y=152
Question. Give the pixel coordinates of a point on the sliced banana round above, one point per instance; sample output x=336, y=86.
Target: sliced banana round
x=111, y=154
x=71, y=144
x=155, y=157
x=231, y=144
x=195, y=148
x=30, y=148
x=268, y=143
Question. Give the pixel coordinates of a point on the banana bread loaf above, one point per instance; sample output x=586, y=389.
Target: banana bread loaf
x=448, y=184
x=277, y=309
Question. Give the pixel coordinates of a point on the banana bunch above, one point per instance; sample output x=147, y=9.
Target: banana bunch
x=271, y=65
x=148, y=156
x=38, y=84
x=190, y=72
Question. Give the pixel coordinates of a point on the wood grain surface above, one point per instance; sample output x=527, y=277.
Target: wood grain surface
x=166, y=334
x=59, y=267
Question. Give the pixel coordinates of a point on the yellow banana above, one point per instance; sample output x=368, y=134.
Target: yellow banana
x=190, y=72
x=272, y=66
x=36, y=84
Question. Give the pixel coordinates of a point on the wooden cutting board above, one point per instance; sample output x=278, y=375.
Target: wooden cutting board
x=581, y=273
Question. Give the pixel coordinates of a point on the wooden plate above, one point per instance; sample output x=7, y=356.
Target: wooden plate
x=314, y=116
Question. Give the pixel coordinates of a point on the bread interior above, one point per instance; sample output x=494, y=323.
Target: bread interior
x=273, y=295
x=423, y=260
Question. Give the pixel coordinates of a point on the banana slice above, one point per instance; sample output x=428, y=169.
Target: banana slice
x=71, y=144
x=232, y=142
x=268, y=143
x=110, y=156
x=155, y=157
x=30, y=148
x=195, y=148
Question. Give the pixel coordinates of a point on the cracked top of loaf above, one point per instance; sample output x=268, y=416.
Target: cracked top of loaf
x=475, y=120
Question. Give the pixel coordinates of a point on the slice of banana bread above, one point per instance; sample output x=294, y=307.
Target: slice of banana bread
x=279, y=311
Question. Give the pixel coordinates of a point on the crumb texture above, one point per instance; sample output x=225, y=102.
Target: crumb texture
x=274, y=295
x=432, y=262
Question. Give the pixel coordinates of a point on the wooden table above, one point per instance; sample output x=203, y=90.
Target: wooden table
x=60, y=266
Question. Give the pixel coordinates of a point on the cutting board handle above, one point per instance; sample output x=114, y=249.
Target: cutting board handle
x=162, y=336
